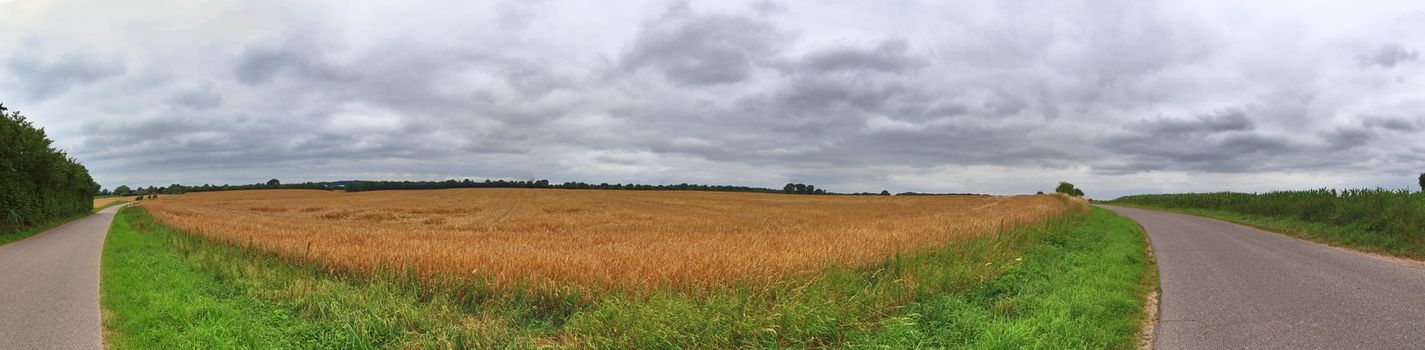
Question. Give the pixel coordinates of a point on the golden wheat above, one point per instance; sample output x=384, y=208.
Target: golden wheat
x=593, y=239
x=101, y=202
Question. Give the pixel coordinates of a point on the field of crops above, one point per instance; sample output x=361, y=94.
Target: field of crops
x=1390, y=221
x=593, y=239
x=1395, y=212
x=102, y=202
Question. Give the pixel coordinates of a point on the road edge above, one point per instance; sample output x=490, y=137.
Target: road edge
x=1149, y=326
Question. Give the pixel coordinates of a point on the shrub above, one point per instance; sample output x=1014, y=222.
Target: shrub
x=38, y=183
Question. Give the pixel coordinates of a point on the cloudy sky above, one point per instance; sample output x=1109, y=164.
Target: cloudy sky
x=991, y=96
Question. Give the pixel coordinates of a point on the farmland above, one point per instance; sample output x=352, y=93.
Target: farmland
x=593, y=239
x=1379, y=220
x=758, y=270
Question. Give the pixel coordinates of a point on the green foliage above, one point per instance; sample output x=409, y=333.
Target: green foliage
x=122, y=190
x=273, y=183
x=1422, y=182
x=797, y=188
x=38, y=183
x=1082, y=289
x=1070, y=283
x=1069, y=189
x=1392, y=215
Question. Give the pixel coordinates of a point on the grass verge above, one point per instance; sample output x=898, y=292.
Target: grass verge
x=1348, y=236
x=6, y=238
x=1076, y=282
x=1083, y=289
x=106, y=206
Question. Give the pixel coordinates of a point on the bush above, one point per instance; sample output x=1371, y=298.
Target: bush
x=1069, y=189
x=1398, y=213
x=40, y=184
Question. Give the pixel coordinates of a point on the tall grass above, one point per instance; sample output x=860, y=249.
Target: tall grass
x=1389, y=220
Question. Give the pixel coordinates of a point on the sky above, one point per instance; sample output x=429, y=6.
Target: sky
x=1003, y=97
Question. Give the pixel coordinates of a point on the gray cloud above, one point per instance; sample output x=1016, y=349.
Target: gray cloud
x=703, y=49
x=44, y=77
x=1225, y=141
x=887, y=56
x=1392, y=124
x=1388, y=56
x=984, y=97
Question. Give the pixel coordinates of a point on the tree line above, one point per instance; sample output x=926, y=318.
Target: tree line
x=362, y=185
x=38, y=183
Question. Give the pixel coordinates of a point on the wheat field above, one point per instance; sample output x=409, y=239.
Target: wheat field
x=101, y=202
x=593, y=239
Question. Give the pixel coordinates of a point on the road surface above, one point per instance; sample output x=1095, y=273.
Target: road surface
x=49, y=287
x=1227, y=286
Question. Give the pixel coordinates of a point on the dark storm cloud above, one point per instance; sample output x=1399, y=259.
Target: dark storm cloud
x=1388, y=56
x=46, y=76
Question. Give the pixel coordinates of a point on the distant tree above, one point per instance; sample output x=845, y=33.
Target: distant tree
x=819, y=191
x=1422, y=182
x=810, y=189
x=790, y=188
x=122, y=190
x=801, y=188
x=273, y=183
x=1065, y=188
x=885, y=193
x=1078, y=192
x=1040, y=192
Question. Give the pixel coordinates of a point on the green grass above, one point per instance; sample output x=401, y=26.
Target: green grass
x=1350, y=236
x=1080, y=290
x=6, y=238
x=1378, y=220
x=1076, y=282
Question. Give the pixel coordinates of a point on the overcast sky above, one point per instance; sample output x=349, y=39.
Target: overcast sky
x=995, y=96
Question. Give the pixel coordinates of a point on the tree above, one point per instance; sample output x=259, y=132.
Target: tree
x=789, y=188
x=885, y=193
x=38, y=183
x=810, y=189
x=273, y=183
x=1069, y=189
x=801, y=188
x=1422, y=182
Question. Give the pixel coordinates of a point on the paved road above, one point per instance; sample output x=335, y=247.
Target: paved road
x=49, y=287
x=1226, y=286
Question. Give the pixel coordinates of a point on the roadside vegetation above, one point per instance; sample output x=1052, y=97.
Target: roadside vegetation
x=1073, y=281
x=1377, y=220
x=40, y=186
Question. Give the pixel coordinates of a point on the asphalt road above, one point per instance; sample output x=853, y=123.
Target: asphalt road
x=1227, y=286
x=49, y=287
